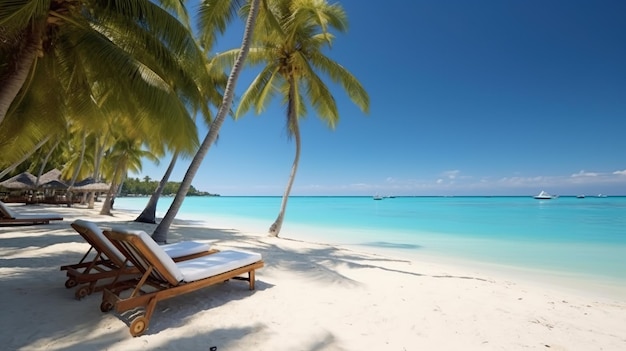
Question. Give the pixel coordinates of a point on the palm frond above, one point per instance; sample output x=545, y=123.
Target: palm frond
x=178, y=8
x=259, y=93
x=318, y=93
x=15, y=14
x=340, y=75
x=213, y=17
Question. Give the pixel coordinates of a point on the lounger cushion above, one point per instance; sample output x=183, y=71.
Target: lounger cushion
x=5, y=211
x=101, y=240
x=156, y=250
x=175, y=250
x=11, y=216
x=217, y=263
x=185, y=248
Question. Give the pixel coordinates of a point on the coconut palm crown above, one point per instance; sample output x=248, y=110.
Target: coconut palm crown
x=75, y=62
x=291, y=49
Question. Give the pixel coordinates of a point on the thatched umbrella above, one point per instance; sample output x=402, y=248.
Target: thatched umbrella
x=89, y=185
x=95, y=187
x=55, y=185
x=22, y=181
x=51, y=175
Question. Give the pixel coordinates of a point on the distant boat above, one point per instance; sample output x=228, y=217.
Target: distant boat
x=601, y=195
x=377, y=197
x=580, y=196
x=544, y=196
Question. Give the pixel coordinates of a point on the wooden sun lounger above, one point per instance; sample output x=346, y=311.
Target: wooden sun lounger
x=10, y=217
x=110, y=263
x=162, y=278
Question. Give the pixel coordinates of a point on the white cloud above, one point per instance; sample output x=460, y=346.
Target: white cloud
x=585, y=174
x=622, y=173
x=451, y=174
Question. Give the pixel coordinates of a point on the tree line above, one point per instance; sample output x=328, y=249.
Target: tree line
x=146, y=186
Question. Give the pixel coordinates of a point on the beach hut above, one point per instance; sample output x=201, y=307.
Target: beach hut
x=53, y=192
x=22, y=181
x=18, y=189
x=89, y=185
x=26, y=188
x=52, y=176
x=54, y=185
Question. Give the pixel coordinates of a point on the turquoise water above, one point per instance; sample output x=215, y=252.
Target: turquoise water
x=568, y=235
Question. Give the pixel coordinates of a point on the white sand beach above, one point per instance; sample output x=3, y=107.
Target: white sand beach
x=309, y=296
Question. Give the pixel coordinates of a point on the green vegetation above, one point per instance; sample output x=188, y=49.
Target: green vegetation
x=100, y=86
x=96, y=88
x=146, y=186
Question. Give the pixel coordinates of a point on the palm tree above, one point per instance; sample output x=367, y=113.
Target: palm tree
x=64, y=61
x=81, y=158
x=148, y=215
x=160, y=233
x=10, y=167
x=293, y=62
x=126, y=155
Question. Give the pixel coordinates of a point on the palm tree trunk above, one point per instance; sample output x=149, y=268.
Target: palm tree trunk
x=24, y=59
x=68, y=194
x=148, y=215
x=99, y=152
x=295, y=129
x=45, y=162
x=106, y=206
x=25, y=157
x=160, y=233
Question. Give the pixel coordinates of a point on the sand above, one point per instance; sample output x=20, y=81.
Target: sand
x=309, y=296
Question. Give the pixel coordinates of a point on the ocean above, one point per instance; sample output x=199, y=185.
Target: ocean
x=568, y=236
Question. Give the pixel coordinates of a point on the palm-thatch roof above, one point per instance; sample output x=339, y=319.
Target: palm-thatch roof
x=54, y=184
x=50, y=176
x=92, y=187
x=89, y=184
x=21, y=181
x=51, y=180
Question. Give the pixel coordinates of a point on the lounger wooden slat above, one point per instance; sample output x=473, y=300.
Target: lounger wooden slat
x=90, y=275
x=162, y=278
x=7, y=216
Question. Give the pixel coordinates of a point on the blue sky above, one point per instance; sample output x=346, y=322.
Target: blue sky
x=483, y=97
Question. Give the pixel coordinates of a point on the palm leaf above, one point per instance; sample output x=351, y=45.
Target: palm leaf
x=213, y=17
x=340, y=75
x=259, y=93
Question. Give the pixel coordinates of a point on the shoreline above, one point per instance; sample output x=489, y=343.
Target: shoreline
x=556, y=248
x=607, y=287
x=309, y=296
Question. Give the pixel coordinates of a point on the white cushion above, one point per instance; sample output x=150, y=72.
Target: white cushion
x=157, y=251
x=175, y=250
x=102, y=240
x=214, y=264
x=7, y=210
x=185, y=248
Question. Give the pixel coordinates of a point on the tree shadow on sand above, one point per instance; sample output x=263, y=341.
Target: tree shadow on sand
x=39, y=284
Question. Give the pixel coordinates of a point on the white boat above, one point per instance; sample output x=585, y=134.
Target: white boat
x=377, y=197
x=544, y=196
x=580, y=196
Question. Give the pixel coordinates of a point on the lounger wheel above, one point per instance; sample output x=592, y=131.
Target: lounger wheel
x=106, y=306
x=82, y=292
x=70, y=283
x=138, y=326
